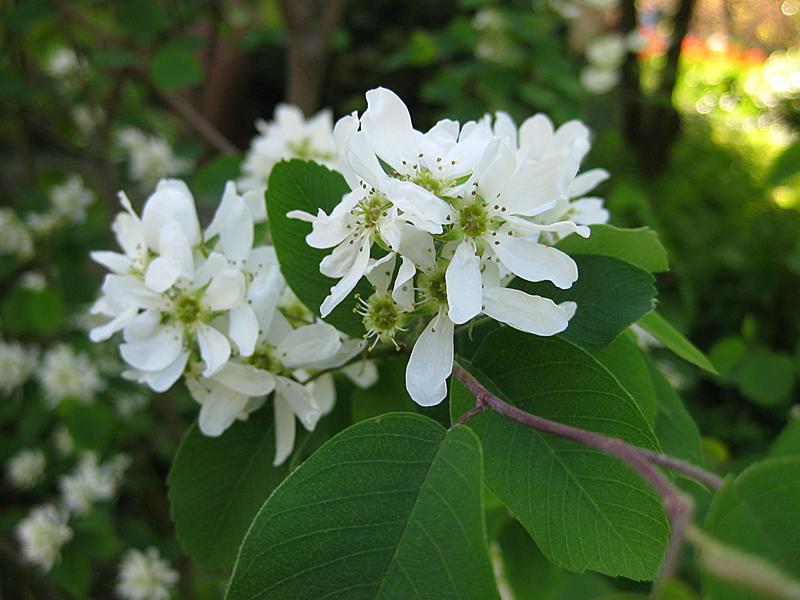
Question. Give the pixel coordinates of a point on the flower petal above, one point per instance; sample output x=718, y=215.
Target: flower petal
x=219, y=410
x=431, y=362
x=225, y=291
x=243, y=328
x=308, y=344
x=284, y=430
x=585, y=182
x=323, y=390
x=155, y=352
x=246, y=379
x=533, y=261
x=387, y=125
x=215, y=350
x=463, y=279
x=161, y=381
x=300, y=400
x=113, y=261
x=531, y=314
x=103, y=332
x=172, y=200
x=347, y=283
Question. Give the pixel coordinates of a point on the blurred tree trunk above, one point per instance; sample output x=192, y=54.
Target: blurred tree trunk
x=310, y=25
x=652, y=125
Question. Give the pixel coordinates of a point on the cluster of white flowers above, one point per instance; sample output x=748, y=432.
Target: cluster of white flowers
x=289, y=135
x=63, y=63
x=149, y=157
x=17, y=363
x=92, y=481
x=15, y=239
x=145, y=576
x=66, y=373
x=465, y=208
x=26, y=469
x=68, y=203
x=42, y=534
x=605, y=55
x=35, y=281
x=206, y=305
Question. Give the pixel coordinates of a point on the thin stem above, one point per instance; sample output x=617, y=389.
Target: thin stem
x=678, y=506
x=709, y=479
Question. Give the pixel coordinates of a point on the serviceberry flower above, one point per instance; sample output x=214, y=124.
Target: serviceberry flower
x=42, y=534
x=145, y=576
x=66, y=373
x=92, y=481
x=26, y=469
x=16, y=364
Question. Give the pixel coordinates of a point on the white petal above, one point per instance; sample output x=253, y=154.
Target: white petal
x=324, y=391
x=233, y=222
x=142, y=326
x=113, y=261
x=531, y=314
x=155, y=352
x=463, y=279
x=346, y=284
x=379, y=272
x=340, y=261
x=349, y=349
x=403, y=292
x=284, y=430
x=300, y=400
x=246, y=379
x=225, y=291
x=418, y=246
x=589, y=211
x=494, y=178
x=162, y=273
x=363, y=373
x=243, y=328
x=129, y=232
x=219, y=410
x=161, y=381
x=215, y=350
x=387, y=124
x=215, y=263
x=256, y=204
x=308, y=344
x=264, y=292
x=431, y=362
x=103, y=332
x=586, y=182
x=535, y=188
x=172, y=200
x=533, y=261
x=504, y=126
x=535, y=135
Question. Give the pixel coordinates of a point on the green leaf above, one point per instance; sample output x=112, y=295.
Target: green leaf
x=387, y=395
x=665, y=333
x=389, y=508
x=785, y=166
x=176, y=66
x=531, y=576
x=628, y=364
x=611, y=295
x=757, y=512
x=639, y=247
x=584, y=509
x=208, y=182
x=300, y=185
x=788, y=441
x=217, y=485
x=143, y=20
x=675, y=428
x=92, y=425
x=765, y=377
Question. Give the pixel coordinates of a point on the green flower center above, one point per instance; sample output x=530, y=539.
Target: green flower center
x=435, y=286
x=305, y=151
x=473, y=219
x=426, y=178
x=370, y=210
x=188, y=309
x=263, y=358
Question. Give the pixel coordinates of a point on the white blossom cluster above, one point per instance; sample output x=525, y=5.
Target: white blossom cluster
x=208, y=306
x=68, y=203
x=15, y=239
x=145, y=576
x=67, y=373
x=92, y=481
x=149, y=157
x=604, y=56
x=287, y=136
x=17, y=363
x=42, y=534
x=25, y=470
x=457, y=212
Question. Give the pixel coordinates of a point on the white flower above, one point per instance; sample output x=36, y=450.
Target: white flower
x=65, y=373
x=14, y=236
x=63, y=441
x=88, y=118
x=34, y=281
x=16, y=365
x=26, y=469
x=131, y=403
x=606, y=51
x=91, y=482
x=71, y=198
x=598, y=80
x=150, y=158
x=166, y=294
x=42, y=534
x=145, y=576
x=289, y=135
x=43, y=224
x=63, y=63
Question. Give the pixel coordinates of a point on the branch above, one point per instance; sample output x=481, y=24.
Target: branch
x=678, y=506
